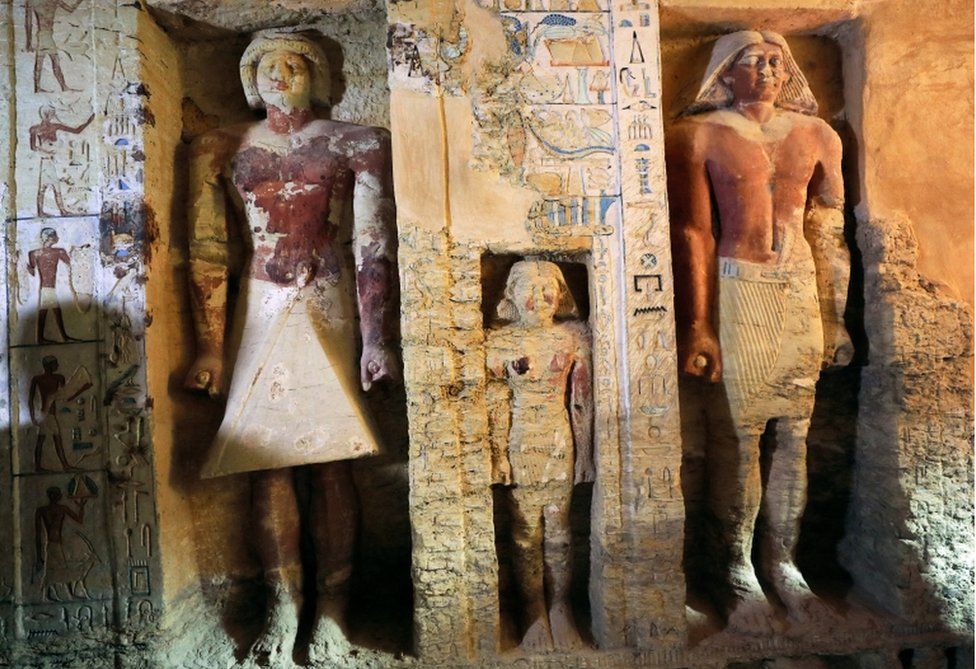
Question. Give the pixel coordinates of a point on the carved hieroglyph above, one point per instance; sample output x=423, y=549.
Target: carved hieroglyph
x=80, y=473
x=293, y=395
x=751, y=323
x=547, y=446
x=534, y=129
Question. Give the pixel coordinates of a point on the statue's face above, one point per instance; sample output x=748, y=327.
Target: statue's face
x=50, y=240
x=536, y=297
x=284, y=80
x=758, y=74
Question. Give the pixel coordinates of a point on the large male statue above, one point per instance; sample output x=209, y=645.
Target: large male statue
x=761, y=273
x=293, y=397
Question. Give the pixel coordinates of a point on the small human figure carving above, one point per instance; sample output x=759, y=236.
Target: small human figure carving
x=62, y=571
x=294, y=396
x=45, y=261
x=39, y=20
x=549, y=445
x=44, y=140
x=756, y=197
x=50, y=387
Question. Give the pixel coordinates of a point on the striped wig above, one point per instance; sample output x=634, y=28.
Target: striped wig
x=715, y=93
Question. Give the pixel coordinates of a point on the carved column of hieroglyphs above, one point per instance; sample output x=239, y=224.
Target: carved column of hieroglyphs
x=6, y=211
x=654, y=510
x=542, y=86
x=79, y=457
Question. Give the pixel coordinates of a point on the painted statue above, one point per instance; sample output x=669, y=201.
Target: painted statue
x=543, y=359
x=761, y=275
x=293, y=381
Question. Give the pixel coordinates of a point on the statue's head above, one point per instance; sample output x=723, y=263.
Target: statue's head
x=753, y=66
x=54, y=494
x=285, y=69
x=536, y=293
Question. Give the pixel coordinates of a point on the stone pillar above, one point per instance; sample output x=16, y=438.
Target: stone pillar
x=536, y=133
x=77, y=238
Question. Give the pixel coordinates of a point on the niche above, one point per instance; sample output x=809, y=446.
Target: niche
x=538, y=396
x=686, y=44
x=204, y=85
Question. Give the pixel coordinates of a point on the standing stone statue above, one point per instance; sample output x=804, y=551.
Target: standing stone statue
x=549, y=445
x=761, y=274
x=293, y=395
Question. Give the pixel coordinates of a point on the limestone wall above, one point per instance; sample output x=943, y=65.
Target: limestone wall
x=504, y=149
x=81, y=569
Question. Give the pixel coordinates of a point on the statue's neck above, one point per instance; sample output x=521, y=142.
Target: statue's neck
x=759, y=111
x=287, y=121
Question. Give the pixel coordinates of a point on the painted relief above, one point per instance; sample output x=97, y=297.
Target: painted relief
x=76, y=313
x=65, y=555
x=44, y=140
x=550, y=123
x=55, y=108
x=760, y=307
x=39, y=22
x=543, y=356
x=292, y=178
x=54, y=281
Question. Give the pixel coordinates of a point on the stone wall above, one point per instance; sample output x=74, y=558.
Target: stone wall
x=479, y=121
x=81, y=578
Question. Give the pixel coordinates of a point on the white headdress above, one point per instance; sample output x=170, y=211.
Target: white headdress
x=265, y=42
x=715, y=93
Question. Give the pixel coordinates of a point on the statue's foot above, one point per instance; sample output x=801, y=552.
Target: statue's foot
x=277, y=641
x=538, y=638
x=802, y=605
x=329, y=642
x=564, y=633
x=748, y=611
x=751, y=616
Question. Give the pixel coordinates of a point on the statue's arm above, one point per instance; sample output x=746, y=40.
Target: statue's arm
x=374, y=249
x=498, y=399
x=208, y=258
x=824, y=230
x=693, y=249
x=581, y=411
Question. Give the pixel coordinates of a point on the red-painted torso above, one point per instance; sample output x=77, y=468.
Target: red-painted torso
x=302, y=193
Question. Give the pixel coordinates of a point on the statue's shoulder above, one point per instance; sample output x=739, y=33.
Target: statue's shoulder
x=694, y=131
x=822, y=133
x=351, y=131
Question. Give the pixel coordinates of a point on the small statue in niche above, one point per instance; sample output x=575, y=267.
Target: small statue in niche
x=762, y=268
x=549, y=444
x=293, y=397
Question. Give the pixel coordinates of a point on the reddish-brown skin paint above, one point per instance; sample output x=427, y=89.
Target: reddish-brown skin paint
x=756, y=189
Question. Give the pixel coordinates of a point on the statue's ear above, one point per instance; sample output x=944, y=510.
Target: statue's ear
x=506, y=310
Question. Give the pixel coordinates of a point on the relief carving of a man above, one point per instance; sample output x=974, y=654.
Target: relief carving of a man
x=761, y=275
x=294, y=367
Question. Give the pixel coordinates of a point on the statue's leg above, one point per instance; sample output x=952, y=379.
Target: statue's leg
x=694, y=437
x=276, y=541
x=784, y=499
x=734, y=495
x=557, y=551
x=527, y=535
x=335, y=516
